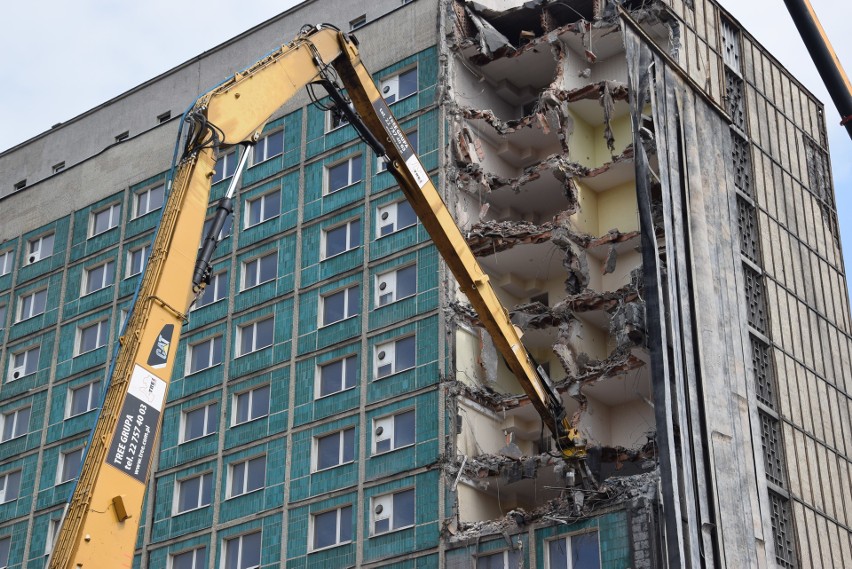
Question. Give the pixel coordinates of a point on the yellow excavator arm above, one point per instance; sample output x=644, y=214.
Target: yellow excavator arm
x=102, y=518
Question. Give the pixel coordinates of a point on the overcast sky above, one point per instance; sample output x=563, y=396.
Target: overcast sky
x=62, y=58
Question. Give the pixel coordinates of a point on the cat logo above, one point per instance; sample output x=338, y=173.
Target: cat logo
x=160, y=350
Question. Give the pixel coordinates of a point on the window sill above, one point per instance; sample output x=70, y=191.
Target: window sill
x=396, y=372
x=196, y=438
x=265, y=160
x=394, y=301
x=385, y=452
x=336, y=255
x=261, y=222
x=247, y=421
x=253, y=352
x=330, y=468
x=319, y=397
x=327, y=547
x=93, y=235
x=327, y=192
x=395, y=231
x=330, y=324
x=246, y=493
x=189, y=511
x=189, y=373
x=390, y=531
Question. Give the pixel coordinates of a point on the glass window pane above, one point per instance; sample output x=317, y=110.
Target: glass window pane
x=212, y=417
x=251, y=551
x=264, y=333
x=354, y=301
x=357, y=168
x=403, y=509
x=243, y=401
x=325, y=529
x=268, y=267
x=405, y=214
x=348, y=454
x=335, y=241
x=558, y=554
x=331, y=378
x=403, y=429
x=238, y=477
x=260, y=402
x=338, y=176
x=193, y=424
x=405, y=351
x=328, y=451
x=233, y=554
x=333, y=307
x=351, y=370
x=188, y=496
x=246, y=339
x=257, y=473
x=346, y=524
x=406, y=282
x=275, y=144
x=585, y=552
x=408, y=83
x=272, y=207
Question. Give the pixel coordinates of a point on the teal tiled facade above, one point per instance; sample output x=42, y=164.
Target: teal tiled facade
x=286, y=433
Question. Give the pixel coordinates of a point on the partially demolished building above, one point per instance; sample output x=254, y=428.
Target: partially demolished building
x=649, y=192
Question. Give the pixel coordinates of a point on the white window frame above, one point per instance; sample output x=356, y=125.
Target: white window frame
x=358, y=22
x=53, y=526
x=142, y=200
x=38, y=248
x=385, y=428
x=568, y=541
x=352, y=163
x=32, y=297
x=350, y=309
x=388, y=285
x=199, y=498
x=219, y=287
x=353, y=231
x=4, y=485
x=198, y=558
x=101, y=335
x=386, y=501
x=264, y=214
x=238, y=540
x=254, y=268
x=88, y=278
x=251, y=394
x=137, y=258
x=20, y=427
x=332, y=116
x=261, y=152
x=382, y=164
x=255, y=347
x=346, y=382
x=229, y=161
x=7, y=259
x=211, y=409
x=3, y=309
x=389, y=216
x=92, y=398
x=63, y=458
x=113, y=213
x=214, y=357
x=245, y=464
x=389, y=86
x=389, y=349
x=342, y=439
x=339, y=515
x=29, y=366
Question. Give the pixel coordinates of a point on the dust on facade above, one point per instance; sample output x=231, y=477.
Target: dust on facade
x=649, y=193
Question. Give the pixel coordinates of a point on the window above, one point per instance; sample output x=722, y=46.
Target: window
x=40, y=248
x=204, y=354
x=199, y=422
x=268, y=147
x=251, y=405
x=58, y=167
x=382, y=164
x=215, y=290
x=243, y=552
x=105, y=219
x=340, y=305
x=334, y=449
x=393, y=432
x=399, y=86
x=2, y=316
x=393, y=217
x=255, y=336
x=247, y=476
x=123, y=136
x=32, y=304
x=226, y=165
x=20, y=185
x=194, y=559
x=265, y=207
x=148, y=200
x=335, y=118
x=99, y=277
x=16, y=423
x=52, y=531
x=358, y=22
x=69, y=465
x=193, y=493
x=332, y=528
x=24, y=363
x=501, y=560
x=164, y=117
x=5, y=546
x=580, y=551
x=394, y=357
x=6, y=258
x=341, y=238
x=83, y=399
x=260, y=270
x=226, y=230
x=396, y=285
x=337, y=376
x=343, y=174
x=136, y=259
x=10, y=486
x=392, y=512
x=92, y=337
